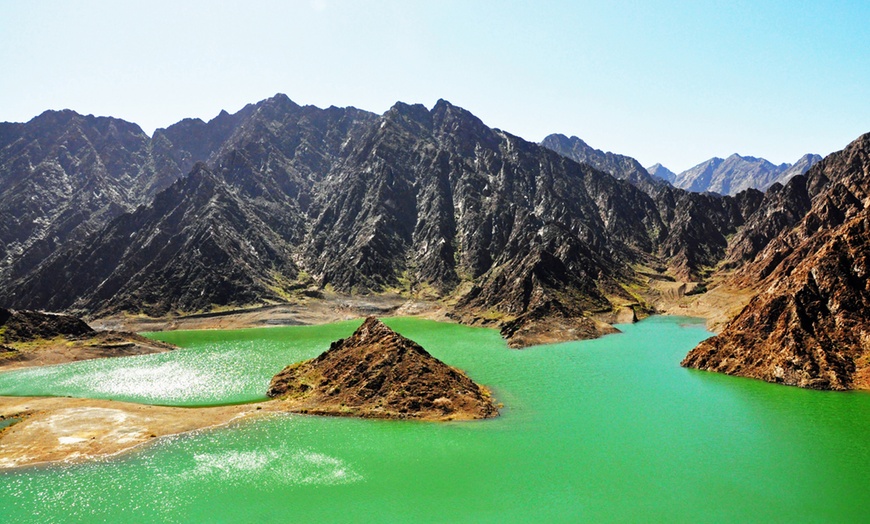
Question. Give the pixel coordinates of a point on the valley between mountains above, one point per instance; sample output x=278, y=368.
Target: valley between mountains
x=288, y=206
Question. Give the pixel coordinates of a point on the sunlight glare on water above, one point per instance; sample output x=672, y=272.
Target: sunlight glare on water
x=208, y=372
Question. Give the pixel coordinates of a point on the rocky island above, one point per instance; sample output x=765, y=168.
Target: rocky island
x=377, y=373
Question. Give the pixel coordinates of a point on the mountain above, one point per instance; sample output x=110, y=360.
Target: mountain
x=807, y=251
x=800, y=167
x=196, y=245
x=377, y=373
x=697, y=226
x=63, y=176
x=619, y=166
x=280, y=198
x=660, y=171
x=700, y=226
x=737, y=173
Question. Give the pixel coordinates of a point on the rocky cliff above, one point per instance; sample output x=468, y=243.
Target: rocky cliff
x=808, y=325
x=377, y=373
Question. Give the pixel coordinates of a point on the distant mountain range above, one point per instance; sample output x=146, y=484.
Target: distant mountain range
x=734, y=174
x=280, y=202
x=660, y=171
x=725, y=177
x=620, y=166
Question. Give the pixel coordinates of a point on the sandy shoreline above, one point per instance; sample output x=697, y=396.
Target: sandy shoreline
x=331, y=308
x=73, y=430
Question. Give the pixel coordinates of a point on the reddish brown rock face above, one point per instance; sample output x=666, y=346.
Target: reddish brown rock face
x=377, y=373
x=808, y=329
x=809, y=326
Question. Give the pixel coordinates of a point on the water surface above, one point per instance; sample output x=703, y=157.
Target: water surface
x=605, y=430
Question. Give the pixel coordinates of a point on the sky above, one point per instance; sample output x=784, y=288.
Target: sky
x=662, y=81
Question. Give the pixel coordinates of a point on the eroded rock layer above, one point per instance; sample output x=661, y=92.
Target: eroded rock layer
x=809, y=325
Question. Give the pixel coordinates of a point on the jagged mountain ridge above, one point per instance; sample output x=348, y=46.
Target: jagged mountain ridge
x=63, y=176
x=620, y=166
x=361, y=206
x=425, y=201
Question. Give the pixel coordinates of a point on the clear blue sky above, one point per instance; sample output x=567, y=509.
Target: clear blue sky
x=670, y=82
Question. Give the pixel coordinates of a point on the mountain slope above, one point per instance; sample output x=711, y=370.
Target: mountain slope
x=619, y=166
x=62, y=177
x=808, y=326
x=195, y=246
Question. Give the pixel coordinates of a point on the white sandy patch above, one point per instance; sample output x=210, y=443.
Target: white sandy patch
x=70, y=440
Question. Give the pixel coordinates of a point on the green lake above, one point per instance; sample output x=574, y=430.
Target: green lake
x=596, y=431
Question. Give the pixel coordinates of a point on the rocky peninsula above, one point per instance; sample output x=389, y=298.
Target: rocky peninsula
x=33, y=338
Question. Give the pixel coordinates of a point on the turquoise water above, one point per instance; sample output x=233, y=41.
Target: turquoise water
x=605, y=430
x=216, y=367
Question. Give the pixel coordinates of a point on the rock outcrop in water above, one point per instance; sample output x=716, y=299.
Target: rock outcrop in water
x=809, y=325
x=377, y=373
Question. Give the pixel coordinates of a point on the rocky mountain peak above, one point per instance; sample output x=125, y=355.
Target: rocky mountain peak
x=279, y=101
x=660, y=171
x=373, y=330
x=416, y=112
